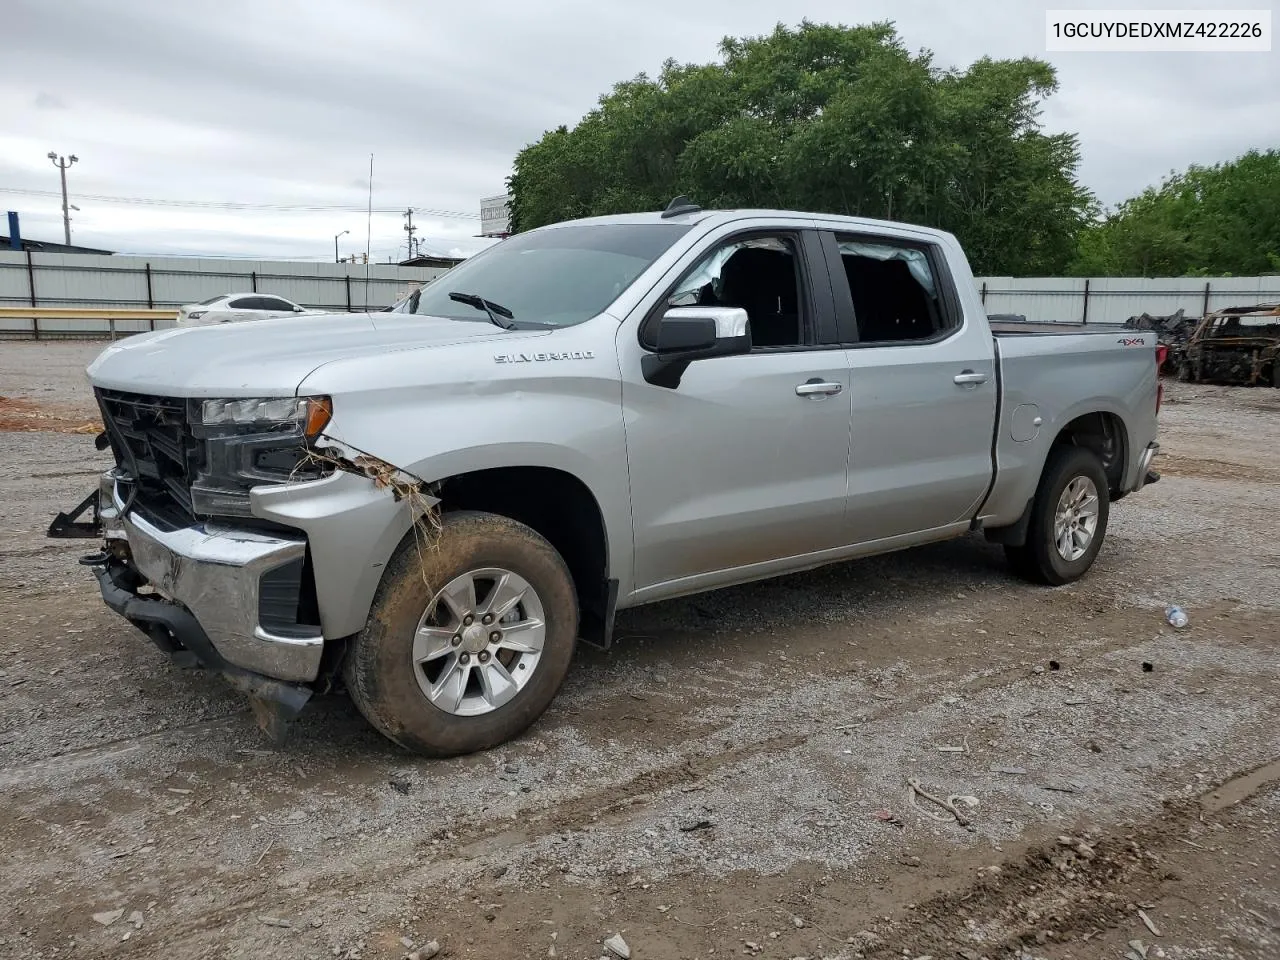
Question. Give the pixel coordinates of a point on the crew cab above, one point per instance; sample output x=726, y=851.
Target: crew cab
x=432, y=506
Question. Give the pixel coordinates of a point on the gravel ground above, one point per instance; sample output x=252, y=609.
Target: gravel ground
x=731, y=779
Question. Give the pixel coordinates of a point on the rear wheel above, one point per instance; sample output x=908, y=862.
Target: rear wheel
x=469, y=637
x=1068, y=519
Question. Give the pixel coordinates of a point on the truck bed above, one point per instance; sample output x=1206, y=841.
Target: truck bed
x=1013, y=328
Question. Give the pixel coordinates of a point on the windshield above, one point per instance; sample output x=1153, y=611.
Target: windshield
x=556, y=277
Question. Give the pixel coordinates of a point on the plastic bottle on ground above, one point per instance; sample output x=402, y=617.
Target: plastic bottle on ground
x=1176, y=616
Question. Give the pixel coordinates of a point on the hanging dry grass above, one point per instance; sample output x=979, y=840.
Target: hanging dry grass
x=417, y=494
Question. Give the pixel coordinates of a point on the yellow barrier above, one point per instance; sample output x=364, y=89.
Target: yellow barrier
x=86, y=313
x=109, y=314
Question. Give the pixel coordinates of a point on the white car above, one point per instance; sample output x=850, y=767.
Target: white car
x=236, y=307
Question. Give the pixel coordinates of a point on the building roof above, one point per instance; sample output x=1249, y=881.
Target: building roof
x=46, y=246
x=428, y=260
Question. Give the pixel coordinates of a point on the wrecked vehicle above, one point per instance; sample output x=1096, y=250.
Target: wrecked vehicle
x=432, y=506
x=1236, y=345
x=1172, y=331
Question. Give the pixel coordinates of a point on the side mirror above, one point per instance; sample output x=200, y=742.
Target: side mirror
x=686, y=334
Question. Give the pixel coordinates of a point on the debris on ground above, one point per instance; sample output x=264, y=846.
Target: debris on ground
x=1172, y=330
x=887, y=816
x=1176, y=616
x=617, y=946
x=108, y=917
x=689, y=826
x=1146, y=920
x=400, y=786
x=914, y=789
x=425, y=952
x=136, y=919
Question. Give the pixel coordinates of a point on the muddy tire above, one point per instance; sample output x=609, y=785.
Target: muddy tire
x=440, y=684
x=1068, y=519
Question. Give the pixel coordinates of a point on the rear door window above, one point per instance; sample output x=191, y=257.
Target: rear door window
x=895, y=290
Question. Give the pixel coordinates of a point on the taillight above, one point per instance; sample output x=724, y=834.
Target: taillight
x=1162, y=354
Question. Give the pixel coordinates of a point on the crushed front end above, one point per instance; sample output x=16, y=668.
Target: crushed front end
x=236, y=542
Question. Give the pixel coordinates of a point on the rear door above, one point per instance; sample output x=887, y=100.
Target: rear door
x=923, y=388
x=275, y=307
x=744, y=461
x=240, y=309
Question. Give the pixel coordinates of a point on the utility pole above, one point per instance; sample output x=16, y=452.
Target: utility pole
x=409, y=228
x=62, y=163
x=335, y=245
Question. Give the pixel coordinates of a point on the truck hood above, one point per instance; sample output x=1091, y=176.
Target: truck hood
x=268, y=357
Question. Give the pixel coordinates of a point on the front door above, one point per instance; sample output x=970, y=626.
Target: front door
x=744, y=462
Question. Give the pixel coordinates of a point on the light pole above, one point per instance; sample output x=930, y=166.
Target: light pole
x=62, y=163
x=335, y=244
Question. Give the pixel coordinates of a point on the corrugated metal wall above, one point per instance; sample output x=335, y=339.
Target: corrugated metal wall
x=1115, y=299
x=82, y=280
x=74, y=280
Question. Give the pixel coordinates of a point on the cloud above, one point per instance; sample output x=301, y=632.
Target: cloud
x=280, y=102
x=47, y=101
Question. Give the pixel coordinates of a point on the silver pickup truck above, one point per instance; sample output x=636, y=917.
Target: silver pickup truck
x=431, y=505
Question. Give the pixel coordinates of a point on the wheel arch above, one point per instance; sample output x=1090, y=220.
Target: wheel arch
x=1103, y=432
x=560, y=507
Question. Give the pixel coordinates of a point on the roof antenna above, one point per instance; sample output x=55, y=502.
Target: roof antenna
x=680, y=205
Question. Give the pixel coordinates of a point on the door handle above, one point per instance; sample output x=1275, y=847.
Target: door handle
x=818, y=388
x=968, y=376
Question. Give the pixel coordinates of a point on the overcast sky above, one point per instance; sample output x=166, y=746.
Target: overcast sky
x=282, y=101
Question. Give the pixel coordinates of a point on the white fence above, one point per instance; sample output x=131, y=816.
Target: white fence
x=101, y=281
x=1116, y=299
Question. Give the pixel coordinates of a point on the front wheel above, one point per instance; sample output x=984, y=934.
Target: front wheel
x=1068, y=519
x=468, y=639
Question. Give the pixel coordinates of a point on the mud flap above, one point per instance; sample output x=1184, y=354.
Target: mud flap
x=596, y=628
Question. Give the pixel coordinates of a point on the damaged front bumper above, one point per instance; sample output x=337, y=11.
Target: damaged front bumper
x=227, y=598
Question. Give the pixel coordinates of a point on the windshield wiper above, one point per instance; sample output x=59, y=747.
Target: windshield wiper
x=494, y=310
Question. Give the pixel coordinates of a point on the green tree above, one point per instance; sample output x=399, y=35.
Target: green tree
x=1222, y=220
x=834, y=119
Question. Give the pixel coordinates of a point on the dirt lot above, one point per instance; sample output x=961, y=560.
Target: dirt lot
x=730, y=780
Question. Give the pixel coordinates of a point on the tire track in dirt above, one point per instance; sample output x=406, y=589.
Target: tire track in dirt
x=1066, y=891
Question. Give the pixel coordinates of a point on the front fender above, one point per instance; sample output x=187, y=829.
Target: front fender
x=564, y=415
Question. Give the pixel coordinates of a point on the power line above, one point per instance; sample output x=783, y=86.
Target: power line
x=238, y=205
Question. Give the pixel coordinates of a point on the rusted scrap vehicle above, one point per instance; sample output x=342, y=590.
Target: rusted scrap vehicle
x=1173, y=331
x=1235, y=345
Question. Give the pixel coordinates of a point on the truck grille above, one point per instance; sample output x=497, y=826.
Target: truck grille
x=158, y=444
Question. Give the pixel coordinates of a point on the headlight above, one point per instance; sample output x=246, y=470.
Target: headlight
x=312, y=414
